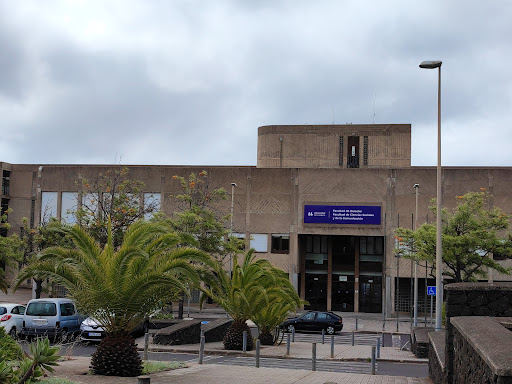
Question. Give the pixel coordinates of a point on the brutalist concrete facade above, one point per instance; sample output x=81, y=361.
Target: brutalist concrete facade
x=328, y=165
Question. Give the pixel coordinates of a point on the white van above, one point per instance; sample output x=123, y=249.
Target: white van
x=50, y=317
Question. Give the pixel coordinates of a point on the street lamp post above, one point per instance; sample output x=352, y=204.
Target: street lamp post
x=439, y=258
x=415, y=323
x=233, y=185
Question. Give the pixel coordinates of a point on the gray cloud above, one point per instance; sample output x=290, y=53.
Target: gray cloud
x=189, y=82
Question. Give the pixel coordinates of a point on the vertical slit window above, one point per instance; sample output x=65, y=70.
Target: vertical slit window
x=341, y=151
x=365, y=150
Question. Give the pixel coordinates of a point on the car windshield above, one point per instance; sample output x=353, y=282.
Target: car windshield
x=41, y=309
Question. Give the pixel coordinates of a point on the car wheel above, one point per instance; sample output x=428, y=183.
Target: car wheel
x=290, y=328
x=330, y=330
x=12, y=332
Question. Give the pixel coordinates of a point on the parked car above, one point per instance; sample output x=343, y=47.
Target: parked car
x=11, y=318
x=315, y=321
x=92, y=331
x=51, y=317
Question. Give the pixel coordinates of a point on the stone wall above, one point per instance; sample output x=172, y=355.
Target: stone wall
x=473, y=299
x=185, y=332
x=436, y=357
x=482, y=351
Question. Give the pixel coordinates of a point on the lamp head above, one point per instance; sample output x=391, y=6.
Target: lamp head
x=431, y=64
x=233, y=184
x=416, y=186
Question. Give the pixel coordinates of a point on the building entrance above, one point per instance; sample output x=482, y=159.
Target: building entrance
x=370, y=294
x=341, y=273
x=316, y=292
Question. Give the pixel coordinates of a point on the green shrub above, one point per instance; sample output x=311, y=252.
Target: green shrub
x=161, y=316
x=9, y=348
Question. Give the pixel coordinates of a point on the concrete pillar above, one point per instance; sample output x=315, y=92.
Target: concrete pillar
x=329, y=273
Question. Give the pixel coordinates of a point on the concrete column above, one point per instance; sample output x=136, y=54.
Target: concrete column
x=302, y=257
x=59, y=205
x=294, y=268
x=329, y=273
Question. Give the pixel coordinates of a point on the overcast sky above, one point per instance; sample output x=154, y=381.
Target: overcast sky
x=189, y=82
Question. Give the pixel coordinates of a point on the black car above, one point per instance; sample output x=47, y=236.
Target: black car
x=315, y=321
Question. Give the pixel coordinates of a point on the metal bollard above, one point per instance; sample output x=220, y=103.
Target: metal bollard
x=257, y=353
x=146, y=342
x=323, y=336
x=201, y=350
x=357, y=323
x=353, y=339
x=383, y=339
x=293, y=335
x=332, y=346
x=378, y=347
x=288, y=345
x=244, y=341
x=313, y=359
x=373, y=360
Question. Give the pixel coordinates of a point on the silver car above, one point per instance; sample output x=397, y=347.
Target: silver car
x=92, y=331
x=51, y=317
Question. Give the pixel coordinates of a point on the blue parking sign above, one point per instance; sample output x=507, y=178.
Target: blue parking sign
x=431, y=290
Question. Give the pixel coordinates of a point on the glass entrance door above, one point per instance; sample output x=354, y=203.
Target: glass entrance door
x=370, y=294
x=316, y=291
x=342, y=293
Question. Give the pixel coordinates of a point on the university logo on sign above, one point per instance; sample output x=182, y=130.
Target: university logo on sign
x=342, y=214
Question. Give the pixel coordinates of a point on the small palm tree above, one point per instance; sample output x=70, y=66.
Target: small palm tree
x=120, y=287
x=252, y=285
x=282, y=299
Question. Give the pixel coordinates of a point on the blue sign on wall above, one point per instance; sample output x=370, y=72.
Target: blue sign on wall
x=342, y=214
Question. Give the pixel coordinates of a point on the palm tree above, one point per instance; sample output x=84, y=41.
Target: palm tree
x=3, y=282
x=253, y=285
x=120, y=287
x=282, y=299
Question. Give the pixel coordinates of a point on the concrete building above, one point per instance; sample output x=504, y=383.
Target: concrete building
x=321, y=204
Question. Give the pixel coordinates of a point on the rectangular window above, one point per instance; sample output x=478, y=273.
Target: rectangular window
x=67, y=309
x=48, y=206
x=6, y=177
x=371, y=245
x=69, y=207
x=280, y=243
x=316, y=244
x=259, y=242
x=240, y=236
x=151, y=204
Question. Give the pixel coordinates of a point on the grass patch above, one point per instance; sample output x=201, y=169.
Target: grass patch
x=56, y=380
x=163, y=316
x=159, y=366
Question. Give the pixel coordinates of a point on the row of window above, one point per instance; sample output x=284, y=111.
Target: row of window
x=280, y=243
x=69, y=204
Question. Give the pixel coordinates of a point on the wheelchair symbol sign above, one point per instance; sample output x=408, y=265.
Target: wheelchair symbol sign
x=431, y=291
